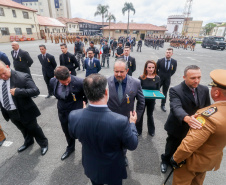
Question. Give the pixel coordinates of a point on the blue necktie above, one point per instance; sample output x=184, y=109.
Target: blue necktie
x=120, y=92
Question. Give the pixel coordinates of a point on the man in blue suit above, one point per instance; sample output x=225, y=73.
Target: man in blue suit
x=92, y=65
x=103, y=134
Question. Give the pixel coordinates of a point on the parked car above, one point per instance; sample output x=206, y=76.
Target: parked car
x=214, y=42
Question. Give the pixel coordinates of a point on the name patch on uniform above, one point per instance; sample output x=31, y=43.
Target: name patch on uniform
x=209, y=111
x=201, y=120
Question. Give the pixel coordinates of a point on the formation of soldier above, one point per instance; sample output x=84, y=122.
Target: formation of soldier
x=183, y=43
x=154, y=42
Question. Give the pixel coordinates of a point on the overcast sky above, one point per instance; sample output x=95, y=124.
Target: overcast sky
x=152, y=11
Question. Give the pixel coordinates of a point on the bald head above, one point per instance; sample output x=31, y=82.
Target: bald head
x=15, y=45
x=4, y=71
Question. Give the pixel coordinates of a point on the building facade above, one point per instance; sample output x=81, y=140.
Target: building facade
x=17, y=20
x=49, y=8
x=135, y=30
x=175, y=25
x=193, y=29
x=72, y=26
x=219, y=31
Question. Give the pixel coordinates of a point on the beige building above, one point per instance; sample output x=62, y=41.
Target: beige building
x=49, y=25
x=193, y=29
x=49, y=8
x=72, y=26
x=135, y=30
x=17, y=20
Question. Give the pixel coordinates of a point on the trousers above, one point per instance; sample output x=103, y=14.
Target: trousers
x=165, y=84
x=79, y=56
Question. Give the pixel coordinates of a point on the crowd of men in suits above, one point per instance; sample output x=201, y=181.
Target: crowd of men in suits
x=111, y=101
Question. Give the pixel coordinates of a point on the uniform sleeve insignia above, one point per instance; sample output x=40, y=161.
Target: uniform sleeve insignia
x=201, y=120
x=209, y=111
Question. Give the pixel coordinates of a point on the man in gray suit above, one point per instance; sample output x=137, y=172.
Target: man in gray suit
x=123, y=90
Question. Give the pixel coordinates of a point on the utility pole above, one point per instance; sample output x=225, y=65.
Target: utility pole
x=187, y=13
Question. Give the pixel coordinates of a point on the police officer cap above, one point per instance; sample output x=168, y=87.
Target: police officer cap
x=91, y=42
x=78, y=37
x=120, y=42
x=219, y=78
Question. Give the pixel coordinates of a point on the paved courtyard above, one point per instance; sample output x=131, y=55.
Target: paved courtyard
x=29, y=167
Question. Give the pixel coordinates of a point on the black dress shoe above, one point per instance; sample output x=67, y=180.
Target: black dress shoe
x=152, y=134
x=34, y=96
x=164, y=167
x=44, y=150
x=126, y=161
x=163, y=108
x=78, y=69
x=66, y=155
x=48, y=96
x=1, y=142
x=24, y=147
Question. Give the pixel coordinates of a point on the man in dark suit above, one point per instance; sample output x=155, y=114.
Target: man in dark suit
x=123, y=90
x=166, y=67
x=68, y=89
x=4, y=58
x=185, y=99
x=92, y=65
x=16, y=90
x=103, y=134
x=67, y=59
x=48, y=65
x=21, y=59
x=130, y=61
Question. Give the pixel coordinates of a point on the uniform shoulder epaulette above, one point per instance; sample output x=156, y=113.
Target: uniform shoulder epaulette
x=210, y=111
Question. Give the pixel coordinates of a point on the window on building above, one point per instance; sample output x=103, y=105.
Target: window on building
x=29, y=31
x=2, y=12
x=125, y=32
x=135, y=32
x=18, y=31
x=4, y=31
x=60, y=4
x=69, y=25
x=41, y=10
x=40, y=3
x=35, y=4
x=25, y=15
x=14, y=13
x=31, y=4
x=117, y=31
x=80, y=25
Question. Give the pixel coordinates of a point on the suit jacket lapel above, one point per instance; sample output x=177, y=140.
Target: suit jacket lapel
x=188, y=93
x=112, y=89
x=199, y=92
x=12, y=79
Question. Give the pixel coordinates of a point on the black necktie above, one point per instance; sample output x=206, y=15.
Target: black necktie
x=5, y=96
x=43, y=56
x=15, y=53
x=167, y=64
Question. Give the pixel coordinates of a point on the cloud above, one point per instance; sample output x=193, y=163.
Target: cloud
x=152, y=11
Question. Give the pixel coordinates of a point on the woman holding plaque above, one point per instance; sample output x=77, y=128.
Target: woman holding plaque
x=150, y=81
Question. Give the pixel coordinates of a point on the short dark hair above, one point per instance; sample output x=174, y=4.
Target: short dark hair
x=65, y=45
x=94, y=87
x=42, y=45
x=194, y=67
x=90, y=50
x=170, y=49
x=61, y=73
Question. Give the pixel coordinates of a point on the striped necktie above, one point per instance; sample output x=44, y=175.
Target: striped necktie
x=5, y=96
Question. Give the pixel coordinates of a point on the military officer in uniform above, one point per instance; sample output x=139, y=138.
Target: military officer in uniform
x=79, y=50
x=94, y=49
x=21, y=59
x=48, y=65
x=67, y=59
x=106, y=53
x=202, y=149
x=119, y=50
x=139, y=45
x=68, y=89
x=114, y=46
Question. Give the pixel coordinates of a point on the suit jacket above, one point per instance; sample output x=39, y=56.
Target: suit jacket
x=103, y=135
x=133, y=91
x=94, y=68
x=182, y=103
x=131, y=65
x=203, y=149
x=25, y=90
x=48, y=65
x=71, y=63
x=161, y=69
x=22, y=62
x=75, y=90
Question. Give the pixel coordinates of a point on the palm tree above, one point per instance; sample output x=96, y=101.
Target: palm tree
x=128, y=7
x=109, y=18
x=102, y=10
